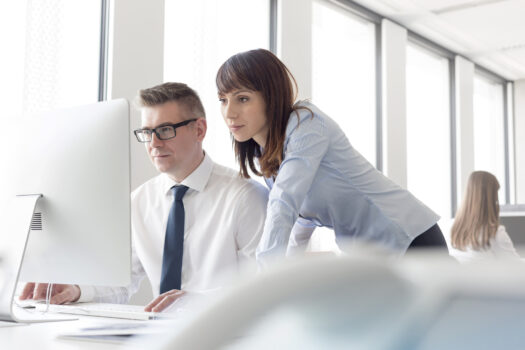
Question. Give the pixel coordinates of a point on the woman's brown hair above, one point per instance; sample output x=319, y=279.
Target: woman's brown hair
x=477, y=219
x=260, y=70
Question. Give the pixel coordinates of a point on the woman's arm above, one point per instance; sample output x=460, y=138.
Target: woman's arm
x=306, y=146
x=300, y=236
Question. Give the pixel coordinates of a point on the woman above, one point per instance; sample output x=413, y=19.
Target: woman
x=476, y=233
x=316, y=177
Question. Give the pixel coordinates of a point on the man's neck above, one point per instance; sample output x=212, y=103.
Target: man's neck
x=179, y=176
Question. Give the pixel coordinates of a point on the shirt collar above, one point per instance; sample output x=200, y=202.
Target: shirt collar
x=197, y=180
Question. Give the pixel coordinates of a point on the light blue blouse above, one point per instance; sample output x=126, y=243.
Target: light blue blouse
x=324, y=181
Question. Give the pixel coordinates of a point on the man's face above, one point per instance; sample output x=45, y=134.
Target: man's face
x=176, y=156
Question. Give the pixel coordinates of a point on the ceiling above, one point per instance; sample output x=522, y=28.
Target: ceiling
x=490, y=33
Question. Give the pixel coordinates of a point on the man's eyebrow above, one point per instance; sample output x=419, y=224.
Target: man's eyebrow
x=164, y=124
x=157, y=126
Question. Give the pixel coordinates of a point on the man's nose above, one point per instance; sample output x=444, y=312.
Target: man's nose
x=155, y=141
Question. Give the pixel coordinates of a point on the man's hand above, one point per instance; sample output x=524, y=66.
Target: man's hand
x=164, y=300
x=60, y=293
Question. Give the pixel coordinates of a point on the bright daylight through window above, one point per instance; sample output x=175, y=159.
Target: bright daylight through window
x=343, y=75
x=489, y=148
x=199, y=36
x=428, y=129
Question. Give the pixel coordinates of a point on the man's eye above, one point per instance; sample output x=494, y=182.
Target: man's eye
x=243, y=99
x=165, y=129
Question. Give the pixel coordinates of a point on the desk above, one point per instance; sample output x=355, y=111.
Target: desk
x=43, y=336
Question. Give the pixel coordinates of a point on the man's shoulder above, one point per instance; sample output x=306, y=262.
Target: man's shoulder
x=224, y=176
x=146, y=187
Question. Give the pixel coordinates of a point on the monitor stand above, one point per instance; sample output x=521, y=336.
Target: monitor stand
x=14, y=240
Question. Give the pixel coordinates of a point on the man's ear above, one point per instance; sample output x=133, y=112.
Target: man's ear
x=201, y=127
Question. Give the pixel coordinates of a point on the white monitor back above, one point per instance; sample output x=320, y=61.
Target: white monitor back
x=79, y=160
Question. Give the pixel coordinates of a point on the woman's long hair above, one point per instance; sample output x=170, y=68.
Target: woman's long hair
x=477, y=219
x=260, y=70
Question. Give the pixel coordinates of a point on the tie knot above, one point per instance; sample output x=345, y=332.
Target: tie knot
x=179, y=191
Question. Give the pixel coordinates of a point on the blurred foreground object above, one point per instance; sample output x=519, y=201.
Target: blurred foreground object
x=361, y=302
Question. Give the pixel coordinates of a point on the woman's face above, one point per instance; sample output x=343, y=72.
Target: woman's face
x=244, y=112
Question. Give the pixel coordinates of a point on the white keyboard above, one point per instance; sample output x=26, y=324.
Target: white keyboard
x=129, y=312
x=30, y=315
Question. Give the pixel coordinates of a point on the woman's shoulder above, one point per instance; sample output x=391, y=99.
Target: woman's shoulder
x=306, y=117
x=306, y=108
x=501, y=234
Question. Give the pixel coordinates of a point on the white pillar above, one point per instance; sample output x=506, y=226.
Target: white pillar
x=464, y=123
x=294, y=41
x=136, y=61
x=519, y=138
x=393, y=62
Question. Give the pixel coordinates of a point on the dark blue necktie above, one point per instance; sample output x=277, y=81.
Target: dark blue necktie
x=173, y=243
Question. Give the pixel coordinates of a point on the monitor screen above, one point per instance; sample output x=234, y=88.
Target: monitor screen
x=79, y=160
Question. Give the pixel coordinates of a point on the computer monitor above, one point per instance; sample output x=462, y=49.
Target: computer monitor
x=79, y=160
x=514, y=222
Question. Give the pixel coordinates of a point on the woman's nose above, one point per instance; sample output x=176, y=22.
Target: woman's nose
x=229, y=111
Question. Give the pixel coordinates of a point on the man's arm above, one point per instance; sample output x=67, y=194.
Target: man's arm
x=116, y=295
x=68, y=293
x=250, y=214
x=60, y=293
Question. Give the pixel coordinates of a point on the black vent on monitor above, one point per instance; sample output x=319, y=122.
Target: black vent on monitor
x=36, y=222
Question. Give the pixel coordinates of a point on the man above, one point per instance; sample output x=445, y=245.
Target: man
x=194, y=225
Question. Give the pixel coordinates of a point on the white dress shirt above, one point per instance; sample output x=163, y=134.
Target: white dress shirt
x=224, y=219
x=501, y=247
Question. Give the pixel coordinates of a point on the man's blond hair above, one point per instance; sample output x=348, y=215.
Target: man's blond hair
x=172, y=92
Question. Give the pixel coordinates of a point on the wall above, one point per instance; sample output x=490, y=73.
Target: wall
x=294, y=43
x=393, y=66
x=136, y=61
x=464, y=86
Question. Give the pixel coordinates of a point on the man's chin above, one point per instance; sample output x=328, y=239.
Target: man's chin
x=161, y=167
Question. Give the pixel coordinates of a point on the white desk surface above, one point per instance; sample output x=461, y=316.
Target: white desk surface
x=43, y=336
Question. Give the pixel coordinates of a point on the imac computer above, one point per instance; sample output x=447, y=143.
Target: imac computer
x=67, y=179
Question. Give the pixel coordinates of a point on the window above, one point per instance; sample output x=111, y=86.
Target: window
x=343, y=75
x=489, y=147
x=51, y=59
x=428, y=129
x=199, y=36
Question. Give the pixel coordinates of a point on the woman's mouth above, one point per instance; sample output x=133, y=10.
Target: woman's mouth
x=235, y=128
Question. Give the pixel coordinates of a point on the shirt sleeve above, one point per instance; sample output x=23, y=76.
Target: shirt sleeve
x=250, y=214
x=306, y=146
x=300, y=236
x=116, y=295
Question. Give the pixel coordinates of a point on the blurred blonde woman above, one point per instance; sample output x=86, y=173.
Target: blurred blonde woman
x=476, y=233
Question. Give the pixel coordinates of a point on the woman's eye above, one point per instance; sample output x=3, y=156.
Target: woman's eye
x=243, y=99
x=222, y=100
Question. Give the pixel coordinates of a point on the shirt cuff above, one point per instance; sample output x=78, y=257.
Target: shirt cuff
x=87, y=293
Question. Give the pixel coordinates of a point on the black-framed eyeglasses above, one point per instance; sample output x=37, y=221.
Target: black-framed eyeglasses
x=164, y=132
